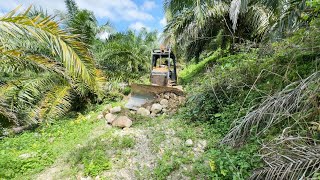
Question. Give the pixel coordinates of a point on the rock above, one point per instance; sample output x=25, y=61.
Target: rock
x=148, y=108
x=100, y=116
x=143, y=112
x=164, y=102
x=106, y=109
x=115, y=110
x=51, y=140
x=156, y=108
x=202, y=144
x=166, y=96
x=152, y=115
x=108, y=126
x=133, y=112
x=173, y=96
x=110, y=118
x=122, y=122
x=189, y=142
x=25, y=156
x=85, y=178
x=164, y=110
x=170, y=132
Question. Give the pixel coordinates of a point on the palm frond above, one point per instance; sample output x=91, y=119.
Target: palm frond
x=56, y=103
x=289, y=158
x=73, y=54
x=258, y=16
x=275, y=109
x=237, y=7
x=46, y=68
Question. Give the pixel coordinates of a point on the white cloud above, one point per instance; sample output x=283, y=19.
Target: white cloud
x=148, y=5
x=115, y=10
x=137, y=26
x=104, y=35
x=163, y=21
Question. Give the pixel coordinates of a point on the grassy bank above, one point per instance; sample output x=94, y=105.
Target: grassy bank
x=31, y=152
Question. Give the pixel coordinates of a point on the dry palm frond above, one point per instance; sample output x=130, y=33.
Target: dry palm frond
x=290, y=158
x=294, y=98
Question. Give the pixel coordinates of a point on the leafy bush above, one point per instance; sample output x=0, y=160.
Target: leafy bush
x=126, y=91
x=237, y=85
x=228, y=163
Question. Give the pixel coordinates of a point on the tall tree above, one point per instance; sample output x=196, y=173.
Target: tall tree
x=195, y=24
x=43, y=69
x=83, y=22
x=126, y=52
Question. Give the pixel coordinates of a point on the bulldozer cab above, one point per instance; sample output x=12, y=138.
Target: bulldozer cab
x=164, y=70
x=163, y=78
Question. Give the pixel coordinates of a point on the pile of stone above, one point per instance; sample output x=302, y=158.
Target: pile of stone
x=114, y=117
x=164, y=103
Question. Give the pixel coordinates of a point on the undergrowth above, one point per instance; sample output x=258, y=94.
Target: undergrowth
x=31, y=152
x=193, y=70
x=234, y=86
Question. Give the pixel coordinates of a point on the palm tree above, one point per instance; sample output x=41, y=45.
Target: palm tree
x=195, y=24
x=43, y=68
x=83, y=22
x=126, y=52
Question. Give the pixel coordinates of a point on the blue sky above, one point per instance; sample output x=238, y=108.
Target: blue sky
x=123, y=14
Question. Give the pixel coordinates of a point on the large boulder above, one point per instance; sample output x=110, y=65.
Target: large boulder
x=156, y=108
x=122, y=122
x=164, y=102
x=116, y=109
x=110, y=118
x=143, y=112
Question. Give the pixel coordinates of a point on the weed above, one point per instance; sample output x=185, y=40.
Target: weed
x=33, y=151
x=123, y=142
x=93, y=157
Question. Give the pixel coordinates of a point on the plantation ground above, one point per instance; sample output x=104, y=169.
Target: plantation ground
x=85, y=146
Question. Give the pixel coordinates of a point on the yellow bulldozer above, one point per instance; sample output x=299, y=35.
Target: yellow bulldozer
x=163, y=79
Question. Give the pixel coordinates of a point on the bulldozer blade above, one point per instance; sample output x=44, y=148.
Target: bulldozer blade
x=141, y=94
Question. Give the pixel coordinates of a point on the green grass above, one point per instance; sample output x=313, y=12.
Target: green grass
x=31, y=152
x=92, y=156
x=123, y=142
